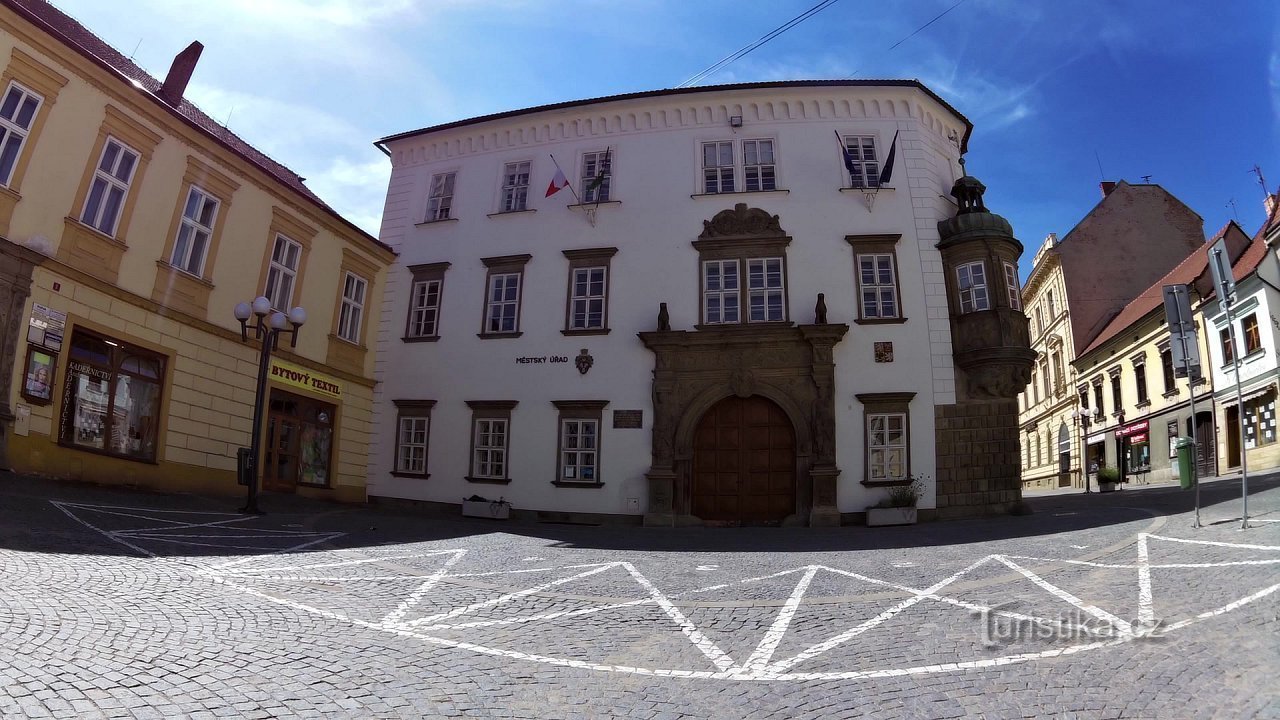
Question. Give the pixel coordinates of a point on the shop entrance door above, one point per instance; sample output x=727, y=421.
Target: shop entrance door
x=1206, y=446
x=1233, y=436
x=297, y=443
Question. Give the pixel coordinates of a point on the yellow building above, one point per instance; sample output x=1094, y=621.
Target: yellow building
x=131, y=225
x=1137, y=405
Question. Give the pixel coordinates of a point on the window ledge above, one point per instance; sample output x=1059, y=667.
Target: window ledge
x=105, y=453
x=886, y=483
x=499, y=336
x=415, y=476
x=865, y=189
x=488, y=481
x=170, y=267
x=437, y=222
x=880, y=321
x=1172, y=393
x=420, y=338
x=593, y=331
x=339, y=338
x=592, y=206
x=571, y=484
x=513, y=212
x=781, y=191
x=739, y=326
x=1143, y=404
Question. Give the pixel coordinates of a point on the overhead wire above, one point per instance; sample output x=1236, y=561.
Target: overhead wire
x=917, y=30
x=824, y=4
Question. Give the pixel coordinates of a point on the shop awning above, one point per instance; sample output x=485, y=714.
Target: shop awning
x=1248, y=395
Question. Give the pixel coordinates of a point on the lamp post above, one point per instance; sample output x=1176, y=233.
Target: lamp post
x=1083, y=415
x=267, y=327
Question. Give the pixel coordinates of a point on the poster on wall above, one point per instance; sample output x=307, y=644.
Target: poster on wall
x=46, y=327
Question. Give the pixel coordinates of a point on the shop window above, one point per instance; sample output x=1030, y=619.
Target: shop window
x=1260, y=421
x=1137, y=453
x=578, y=460
x=299, y=442
x=111, y=397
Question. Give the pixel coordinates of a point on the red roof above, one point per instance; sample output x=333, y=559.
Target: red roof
x=76, y=36
x=1185, y=273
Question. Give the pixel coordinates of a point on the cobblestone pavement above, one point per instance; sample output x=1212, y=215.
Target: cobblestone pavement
x=126, y=604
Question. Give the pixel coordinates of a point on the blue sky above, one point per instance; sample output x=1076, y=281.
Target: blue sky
x=1188, y=93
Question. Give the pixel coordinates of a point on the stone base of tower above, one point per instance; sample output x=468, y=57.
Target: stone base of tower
x=979, y=459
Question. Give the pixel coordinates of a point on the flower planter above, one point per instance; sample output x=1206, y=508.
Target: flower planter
x=1106, y=486
x=877, y=517
x=497, y=509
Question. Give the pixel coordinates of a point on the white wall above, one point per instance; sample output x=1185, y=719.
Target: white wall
x=655, y=171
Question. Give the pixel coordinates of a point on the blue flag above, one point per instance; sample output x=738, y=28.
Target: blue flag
x=844, y=152
x=887, y=172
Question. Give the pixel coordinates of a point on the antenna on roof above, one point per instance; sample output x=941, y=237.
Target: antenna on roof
x=135, y=49
x=227, y=123
x=1101, y=175
x=1234, y=211
x=1146, y=179
x=1261, y=180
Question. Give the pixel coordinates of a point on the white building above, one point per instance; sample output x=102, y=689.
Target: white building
x=647, y=344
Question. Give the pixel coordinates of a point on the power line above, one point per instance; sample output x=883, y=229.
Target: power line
x=917, y=30
x=769, y=36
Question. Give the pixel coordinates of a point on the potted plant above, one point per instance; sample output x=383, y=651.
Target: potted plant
x=1108, y=477
x=899, y=508
x=476, y=506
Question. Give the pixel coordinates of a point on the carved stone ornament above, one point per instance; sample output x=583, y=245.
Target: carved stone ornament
x=740, y=221
x=998, y=381
x=584, y=361
x=664, y=318
x=743, y=383
x=820, y=310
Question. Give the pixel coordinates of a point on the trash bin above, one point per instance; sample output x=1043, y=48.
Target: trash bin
x=1186, y=462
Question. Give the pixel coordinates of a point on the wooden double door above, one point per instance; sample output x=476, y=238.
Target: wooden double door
x=744, y=463
x=298, y=442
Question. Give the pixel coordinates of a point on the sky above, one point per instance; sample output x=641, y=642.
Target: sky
x=1062, y=95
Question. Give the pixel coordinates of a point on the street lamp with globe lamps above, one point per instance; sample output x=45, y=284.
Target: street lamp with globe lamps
x=1083, y=415
x=267, y=327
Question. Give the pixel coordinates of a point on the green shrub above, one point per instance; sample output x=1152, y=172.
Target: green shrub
x=1108, y=474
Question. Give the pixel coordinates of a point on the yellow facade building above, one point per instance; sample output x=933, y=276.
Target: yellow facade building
x=131, y=225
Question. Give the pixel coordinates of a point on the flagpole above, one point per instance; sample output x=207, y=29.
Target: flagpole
x=567, y=183
x=600, y=175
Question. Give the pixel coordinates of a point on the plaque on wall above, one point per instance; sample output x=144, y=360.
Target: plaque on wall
x=628, y=419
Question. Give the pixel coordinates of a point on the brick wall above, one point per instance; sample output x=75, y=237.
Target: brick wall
x=979, y=467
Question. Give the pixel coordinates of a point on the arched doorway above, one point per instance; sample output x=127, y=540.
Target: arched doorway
x=744, y=463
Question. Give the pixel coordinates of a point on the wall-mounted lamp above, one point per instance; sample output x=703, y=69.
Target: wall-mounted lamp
x=735, y=121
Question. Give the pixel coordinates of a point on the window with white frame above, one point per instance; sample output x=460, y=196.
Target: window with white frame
x=597, y=176
x=1015, y=293
x=717, y=167
x=888, y=442
x=588, y=306
x=877, y=286
x=413, y=430
x=282, y=272
x=502, y=295
x=110, y=187
x=490, y=440
x=351, y=313
x=17, y=113
x=864, y=169
x=721, y=291
x=758, y=165
x=765, y=291
x=971, y=280
x=425, y=294
x=440, y=199
x=515, y=186
x=192, y=244
x=579, y=446
x=887, y=446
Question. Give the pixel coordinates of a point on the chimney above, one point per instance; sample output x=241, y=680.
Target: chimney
x=175, y=83
x=1106, y=185
x=1270, y=204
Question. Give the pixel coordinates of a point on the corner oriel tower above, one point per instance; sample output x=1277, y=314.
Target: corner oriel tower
x=979, y=468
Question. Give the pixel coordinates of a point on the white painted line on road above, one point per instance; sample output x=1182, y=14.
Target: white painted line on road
x=344, y=563
x=1122, y=625
x=702, y=642
x=508, y=597
x=1146, y=612
x=1216, y=543
x=1224, y=609
x=404, y=607
x=759, y=659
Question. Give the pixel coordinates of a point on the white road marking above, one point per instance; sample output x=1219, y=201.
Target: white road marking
x=763, y=653
x=1123, y=626
x=509, y=596
x=1146, y=612
x=404, y=607
x=700, y=641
